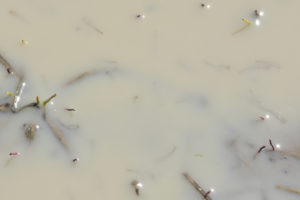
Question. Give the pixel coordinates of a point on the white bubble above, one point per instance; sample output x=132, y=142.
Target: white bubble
x=257, y=22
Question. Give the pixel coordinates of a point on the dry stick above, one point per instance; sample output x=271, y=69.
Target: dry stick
x=204, y=194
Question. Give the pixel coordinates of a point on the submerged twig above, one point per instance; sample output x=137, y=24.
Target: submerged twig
x=80, y=76
x=288, y=189
x=164, y=157
x=8, y=67
x=89, y=23
x=68, y=126
x=248, y=23
x=204, y=194
x=58, y=134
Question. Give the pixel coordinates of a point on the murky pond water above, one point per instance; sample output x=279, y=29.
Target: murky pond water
x=148, y=91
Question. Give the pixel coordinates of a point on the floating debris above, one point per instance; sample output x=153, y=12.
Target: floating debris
x=259, y=13
x=18, y=16
x=164, y=157
x=80, y=76
x=90, y=24
x=288, y=189
x=75, y=160
x=246, y=21
x=5, y=107
x=70, y=109
x=140, y=16
x=271, y=144
x=198, y=155
x=204, y=5
x=8, y=67
x=58, y=134
x=204, y=194
x=10, y=94
x=14, y=153
x=137, y=186
x=261, y=148
x=30, y=130
x=49, y=99
x=24, y=42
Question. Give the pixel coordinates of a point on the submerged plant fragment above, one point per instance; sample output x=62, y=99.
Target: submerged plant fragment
x=248, y=23
x=30, y=130
x=287, y=189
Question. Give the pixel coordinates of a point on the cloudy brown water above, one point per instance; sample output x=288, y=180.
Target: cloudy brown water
x=171, y=87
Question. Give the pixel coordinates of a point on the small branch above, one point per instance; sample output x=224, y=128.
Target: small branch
x=204, y=194
x=58, y=134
